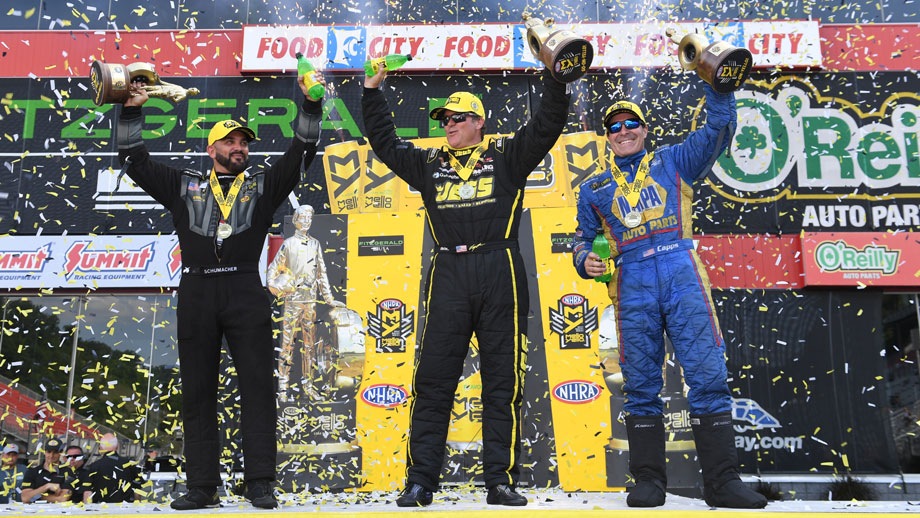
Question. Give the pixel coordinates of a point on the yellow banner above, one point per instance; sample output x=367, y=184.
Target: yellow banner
x=384, y=271
x=380, y=188
x=344, y=163
x=358, y=182
x=583, y=154
x=578, y=369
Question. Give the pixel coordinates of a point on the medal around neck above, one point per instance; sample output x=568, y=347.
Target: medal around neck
x=466, y=191
x=632, y=219
x=224, y=230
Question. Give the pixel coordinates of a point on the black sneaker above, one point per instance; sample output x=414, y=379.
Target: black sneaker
x=259, y=493
x=414, y=495
x=196, y=498
x=504, y=495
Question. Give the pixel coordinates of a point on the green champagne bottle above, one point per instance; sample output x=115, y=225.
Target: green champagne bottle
x=601, y=247
x=389, y=62
x=306, y=69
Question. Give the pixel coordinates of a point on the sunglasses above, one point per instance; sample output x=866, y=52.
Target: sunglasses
x=74, y=456
x=629, y=124
x=457, y=118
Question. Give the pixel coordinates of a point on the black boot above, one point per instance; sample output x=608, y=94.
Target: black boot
x=414, y=495
x=715, y=448
x=647, y=462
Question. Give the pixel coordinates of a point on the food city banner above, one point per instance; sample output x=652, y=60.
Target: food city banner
x=503, y=46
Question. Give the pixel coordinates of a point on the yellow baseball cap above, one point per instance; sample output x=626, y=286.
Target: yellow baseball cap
x=460, y=102
x=621, y=107
x=224, y=128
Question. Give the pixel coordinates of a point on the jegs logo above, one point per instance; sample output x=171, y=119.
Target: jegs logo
x=391, y=326
x=573, y=322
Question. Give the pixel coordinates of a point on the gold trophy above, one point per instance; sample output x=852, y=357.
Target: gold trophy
x=723, y=66
x=111, y=81
x=566, y=55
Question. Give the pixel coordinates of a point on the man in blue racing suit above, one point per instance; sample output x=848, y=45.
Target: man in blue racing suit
x=643, y=206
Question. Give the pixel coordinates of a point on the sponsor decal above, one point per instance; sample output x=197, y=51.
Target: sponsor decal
x=561, y=243
x=174, y=266
x=749, y=416
x=573, y=321
x=384, y=395
x=25, y=261
x=381, y=245
x=82, y=261
x=346, y=47
x=833, y=256
x=576, y=391
x=391, y=326
x=859, y=258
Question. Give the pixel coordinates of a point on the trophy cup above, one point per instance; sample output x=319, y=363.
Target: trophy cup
x=723, y=66
x=111, y=82
x=566, y=55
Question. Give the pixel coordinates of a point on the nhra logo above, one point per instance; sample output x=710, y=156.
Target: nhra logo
x=573, y=322
x=391, y=326
x=384, y=395
x=577, y=391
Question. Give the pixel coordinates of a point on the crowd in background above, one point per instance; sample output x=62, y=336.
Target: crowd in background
x=66, y=473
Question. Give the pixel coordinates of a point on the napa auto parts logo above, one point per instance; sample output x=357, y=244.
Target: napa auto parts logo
x=748, y=415
x=870, y=261
x=577, y=391
x=84, y=262
x=384, y=395
x=391, y=325
x=809, y=146
x=573, y=321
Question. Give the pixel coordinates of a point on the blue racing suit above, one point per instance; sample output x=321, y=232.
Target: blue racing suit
x=659, y=283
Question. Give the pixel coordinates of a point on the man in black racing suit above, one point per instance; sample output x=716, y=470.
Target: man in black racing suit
x=221, y=219
x=473, y=192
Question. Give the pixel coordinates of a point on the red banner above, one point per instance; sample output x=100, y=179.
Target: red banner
x=878, y=47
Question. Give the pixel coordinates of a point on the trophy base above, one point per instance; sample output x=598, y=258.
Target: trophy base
x=567, y=56
x=110, y=82
x=725, y=67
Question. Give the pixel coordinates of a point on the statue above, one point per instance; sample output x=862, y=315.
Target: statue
x=297, y=275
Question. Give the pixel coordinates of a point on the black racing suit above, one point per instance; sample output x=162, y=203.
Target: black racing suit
x=476, y=281
x=220, y=293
